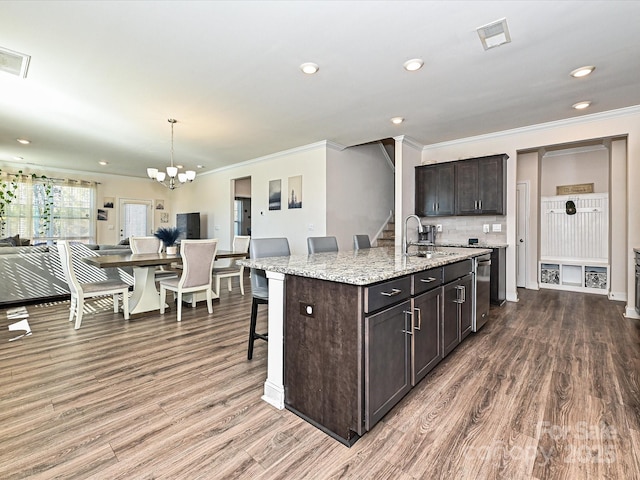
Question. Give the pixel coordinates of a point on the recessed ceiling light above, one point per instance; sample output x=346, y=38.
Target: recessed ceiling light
x=309, y=68
x=581, y=105
x=102, y=162
x=582, y=71
x=413, y=64
x=23, y=141
x=180, y=166
x=18, y=158
x=200, y=166
x=397, y=120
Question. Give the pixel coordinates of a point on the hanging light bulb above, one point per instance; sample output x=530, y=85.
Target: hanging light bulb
x=172, y=171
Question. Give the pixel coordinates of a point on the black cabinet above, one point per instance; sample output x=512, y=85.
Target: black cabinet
x=481, y=185
x=189, y=225
x=435, y=190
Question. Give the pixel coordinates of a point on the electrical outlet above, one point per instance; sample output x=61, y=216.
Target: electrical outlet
x=485, y=228
x=438, y=228
x=497, y=227
x=311, y=227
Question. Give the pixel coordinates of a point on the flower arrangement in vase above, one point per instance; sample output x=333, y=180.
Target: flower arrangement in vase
x=168, y=236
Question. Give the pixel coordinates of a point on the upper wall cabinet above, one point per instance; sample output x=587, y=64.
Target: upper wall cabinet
x=435, y=190
x=481, y=185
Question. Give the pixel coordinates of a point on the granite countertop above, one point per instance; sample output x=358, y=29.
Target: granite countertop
x=477, y=245
x=361, y=267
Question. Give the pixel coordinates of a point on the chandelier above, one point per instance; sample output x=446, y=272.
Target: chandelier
x=172, y=172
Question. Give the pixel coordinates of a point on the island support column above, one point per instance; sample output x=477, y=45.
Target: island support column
x=274, y=385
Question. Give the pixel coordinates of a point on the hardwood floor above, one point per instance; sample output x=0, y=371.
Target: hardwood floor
x=549, y=389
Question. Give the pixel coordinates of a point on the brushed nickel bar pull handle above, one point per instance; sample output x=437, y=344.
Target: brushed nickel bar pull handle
x=405, y=322
x=419, y=319
x=428, y=279
x=392, y=293
x=460, y=294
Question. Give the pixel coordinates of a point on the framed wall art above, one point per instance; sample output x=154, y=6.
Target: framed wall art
x=275, y=194
x=294, y=192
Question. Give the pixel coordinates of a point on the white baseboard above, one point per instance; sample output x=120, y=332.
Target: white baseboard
x=618, y=296
x=630, y=312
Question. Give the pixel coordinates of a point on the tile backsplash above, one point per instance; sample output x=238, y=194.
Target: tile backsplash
x=460, y=229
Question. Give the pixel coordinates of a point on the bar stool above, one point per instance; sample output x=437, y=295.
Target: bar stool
x=260, y=248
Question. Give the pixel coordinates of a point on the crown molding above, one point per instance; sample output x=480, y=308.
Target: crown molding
x=621, y=112
x=408, y=141
x=304, y=148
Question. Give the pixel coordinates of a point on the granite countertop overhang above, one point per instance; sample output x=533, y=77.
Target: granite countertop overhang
x=361, y=267
x=476, y=245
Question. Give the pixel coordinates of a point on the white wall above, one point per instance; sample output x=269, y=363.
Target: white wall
x=211, y=195
x=571, y=167
x=360, y=192
x=609, y=124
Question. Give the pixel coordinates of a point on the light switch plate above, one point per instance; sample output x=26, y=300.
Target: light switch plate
x=497, y=227
x=485, y=228
x=438, y=228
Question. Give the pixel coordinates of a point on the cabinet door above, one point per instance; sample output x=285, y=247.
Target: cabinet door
x=466, y=187
x=426, y=349
x=426, y=191
x=450, y=318
x=446, y=189
x=387, y=361
x=435, y=188
x=491, y=189
x=465, y=292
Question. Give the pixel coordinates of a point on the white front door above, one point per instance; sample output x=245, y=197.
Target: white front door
x=136, y=217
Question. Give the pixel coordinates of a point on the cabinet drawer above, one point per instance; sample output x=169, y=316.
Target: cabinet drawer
x=457, y=270
x=386, y=293
x=425, y=281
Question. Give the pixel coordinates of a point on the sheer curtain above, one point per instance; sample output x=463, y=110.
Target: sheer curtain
x=46, y=209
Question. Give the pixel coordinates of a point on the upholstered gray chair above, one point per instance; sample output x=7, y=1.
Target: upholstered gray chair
x=197, y=262
x=81, y=291
x=262, y=248
x=322, y=244
x=361, y=241
x=151, y=244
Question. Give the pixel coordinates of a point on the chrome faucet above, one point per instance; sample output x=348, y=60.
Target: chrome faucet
x=405, y=240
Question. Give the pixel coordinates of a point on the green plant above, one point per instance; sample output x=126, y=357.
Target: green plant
x=168, y=235
x=8, y=189
x=44, y=203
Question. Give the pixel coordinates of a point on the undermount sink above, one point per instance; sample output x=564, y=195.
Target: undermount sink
x=432, y=254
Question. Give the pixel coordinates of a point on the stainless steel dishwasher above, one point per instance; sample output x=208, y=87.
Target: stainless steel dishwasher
x=482, y=281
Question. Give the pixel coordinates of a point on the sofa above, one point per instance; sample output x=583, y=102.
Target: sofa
x=33, y=274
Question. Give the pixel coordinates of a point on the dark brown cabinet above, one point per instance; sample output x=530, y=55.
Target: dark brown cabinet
x=498, y=283
x=481, y=185
x=435, y=190
x=457, y=304
x=353, y=352
x=387, y=361
x=426, y=348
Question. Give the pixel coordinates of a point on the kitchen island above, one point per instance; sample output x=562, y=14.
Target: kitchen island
x=351, y=332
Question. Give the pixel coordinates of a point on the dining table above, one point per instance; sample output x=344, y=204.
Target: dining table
x=145, y=296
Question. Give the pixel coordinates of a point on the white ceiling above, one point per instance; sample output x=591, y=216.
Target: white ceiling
x=105, y=76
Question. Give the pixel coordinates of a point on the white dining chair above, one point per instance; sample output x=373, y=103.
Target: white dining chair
x=151, y=244
x=81, y=291
x=197, y=263
x=228, y=268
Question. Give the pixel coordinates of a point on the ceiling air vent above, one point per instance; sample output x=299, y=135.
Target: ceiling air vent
x=494, y=34
x=13, y=62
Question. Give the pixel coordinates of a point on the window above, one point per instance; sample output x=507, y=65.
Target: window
x=50, y=209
